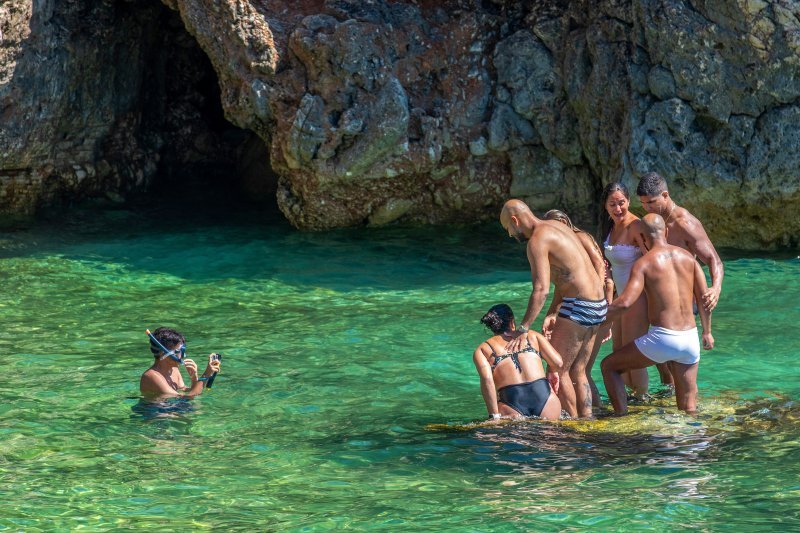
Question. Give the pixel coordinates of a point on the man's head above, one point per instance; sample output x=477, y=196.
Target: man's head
x=169, y=339
x=653, y=193
x=517, y=219
x=655, y=229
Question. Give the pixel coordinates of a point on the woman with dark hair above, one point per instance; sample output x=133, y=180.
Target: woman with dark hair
x=514, y=384
x=624, y=244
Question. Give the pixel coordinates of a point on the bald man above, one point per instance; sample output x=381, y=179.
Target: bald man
x=673, y=281
x=557, y=255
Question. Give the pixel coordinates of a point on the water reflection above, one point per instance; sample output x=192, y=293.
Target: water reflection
x=653, y=436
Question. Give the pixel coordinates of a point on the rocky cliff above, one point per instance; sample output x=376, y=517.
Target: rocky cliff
x=366, y=112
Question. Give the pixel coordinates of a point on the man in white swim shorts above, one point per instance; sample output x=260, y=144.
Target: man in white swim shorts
x=673, y=281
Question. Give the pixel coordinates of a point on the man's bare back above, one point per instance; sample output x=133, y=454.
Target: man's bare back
x=571, y=269
x=668, y=282
x=673, y=280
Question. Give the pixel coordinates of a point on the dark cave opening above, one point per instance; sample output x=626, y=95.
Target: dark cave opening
x=201, y=155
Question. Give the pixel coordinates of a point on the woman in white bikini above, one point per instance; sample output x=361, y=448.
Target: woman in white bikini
x=624, y=244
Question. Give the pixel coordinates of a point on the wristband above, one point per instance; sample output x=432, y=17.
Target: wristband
x=495, y=416
x=522, y=329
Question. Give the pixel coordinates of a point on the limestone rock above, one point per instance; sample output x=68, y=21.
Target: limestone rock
x=369, y=112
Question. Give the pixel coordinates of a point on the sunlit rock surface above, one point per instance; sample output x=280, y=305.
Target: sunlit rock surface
x=368, y=112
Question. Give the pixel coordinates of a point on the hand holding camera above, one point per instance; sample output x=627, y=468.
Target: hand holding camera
x=214, y=362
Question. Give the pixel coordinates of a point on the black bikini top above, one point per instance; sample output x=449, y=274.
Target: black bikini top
x=514, y=357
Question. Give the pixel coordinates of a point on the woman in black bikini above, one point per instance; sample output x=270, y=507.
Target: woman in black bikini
x=514, y=384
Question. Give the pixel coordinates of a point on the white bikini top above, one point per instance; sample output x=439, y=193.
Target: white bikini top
x=621, y=257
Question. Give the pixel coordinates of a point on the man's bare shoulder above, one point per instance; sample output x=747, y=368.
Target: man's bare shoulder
x=152, y=381
x=557, y=233
x=688, y=224
x=544, y=235
x=679, y=253
x=549, y=227
x=637, y=225
x=662, y=254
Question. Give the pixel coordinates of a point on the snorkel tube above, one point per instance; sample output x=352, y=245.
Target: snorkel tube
x=167, y=353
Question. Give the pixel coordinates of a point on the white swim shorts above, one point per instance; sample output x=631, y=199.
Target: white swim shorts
x=661, y=345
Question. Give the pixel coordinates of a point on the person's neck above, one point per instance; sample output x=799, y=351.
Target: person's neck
x=658, y=242
x=629, y=217
x=163, y=366
x=528, y=225
x=670, y=210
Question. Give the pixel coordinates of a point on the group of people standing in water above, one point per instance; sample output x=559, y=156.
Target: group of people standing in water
x=642, y=290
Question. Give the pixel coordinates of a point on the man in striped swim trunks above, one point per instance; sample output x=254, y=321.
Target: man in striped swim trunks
x=556, y=254
x=672, y=280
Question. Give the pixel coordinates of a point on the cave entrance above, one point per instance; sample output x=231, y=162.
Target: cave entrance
x=201, y=155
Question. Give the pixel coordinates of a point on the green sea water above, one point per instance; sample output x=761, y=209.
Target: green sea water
x=348, y=390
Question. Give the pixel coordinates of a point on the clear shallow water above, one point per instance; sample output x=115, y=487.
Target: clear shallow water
x=348, y=388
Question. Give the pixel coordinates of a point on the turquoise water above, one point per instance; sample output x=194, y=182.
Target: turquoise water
x=344, y=350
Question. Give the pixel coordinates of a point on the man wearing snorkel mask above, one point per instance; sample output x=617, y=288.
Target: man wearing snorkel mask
x=164, y=378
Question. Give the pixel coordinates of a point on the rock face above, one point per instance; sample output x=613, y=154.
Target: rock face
x=371, y=111
x=96, y=98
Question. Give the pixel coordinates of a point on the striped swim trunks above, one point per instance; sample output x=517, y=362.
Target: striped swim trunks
x=584, y=312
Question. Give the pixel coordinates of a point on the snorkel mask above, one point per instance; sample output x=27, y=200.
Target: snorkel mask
x=167, y=353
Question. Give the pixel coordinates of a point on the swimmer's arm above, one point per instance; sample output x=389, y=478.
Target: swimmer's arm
x=548, y=353
x=631, y=293
x=487, y=381
x=153, y=384
x=540, y=277
x=197, y=385
x=700, y=289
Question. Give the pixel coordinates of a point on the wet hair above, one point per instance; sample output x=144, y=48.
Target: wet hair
x=168, y=338
x=561, y=216
x=498, y=318
x=651, y=184
x=614, y=186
